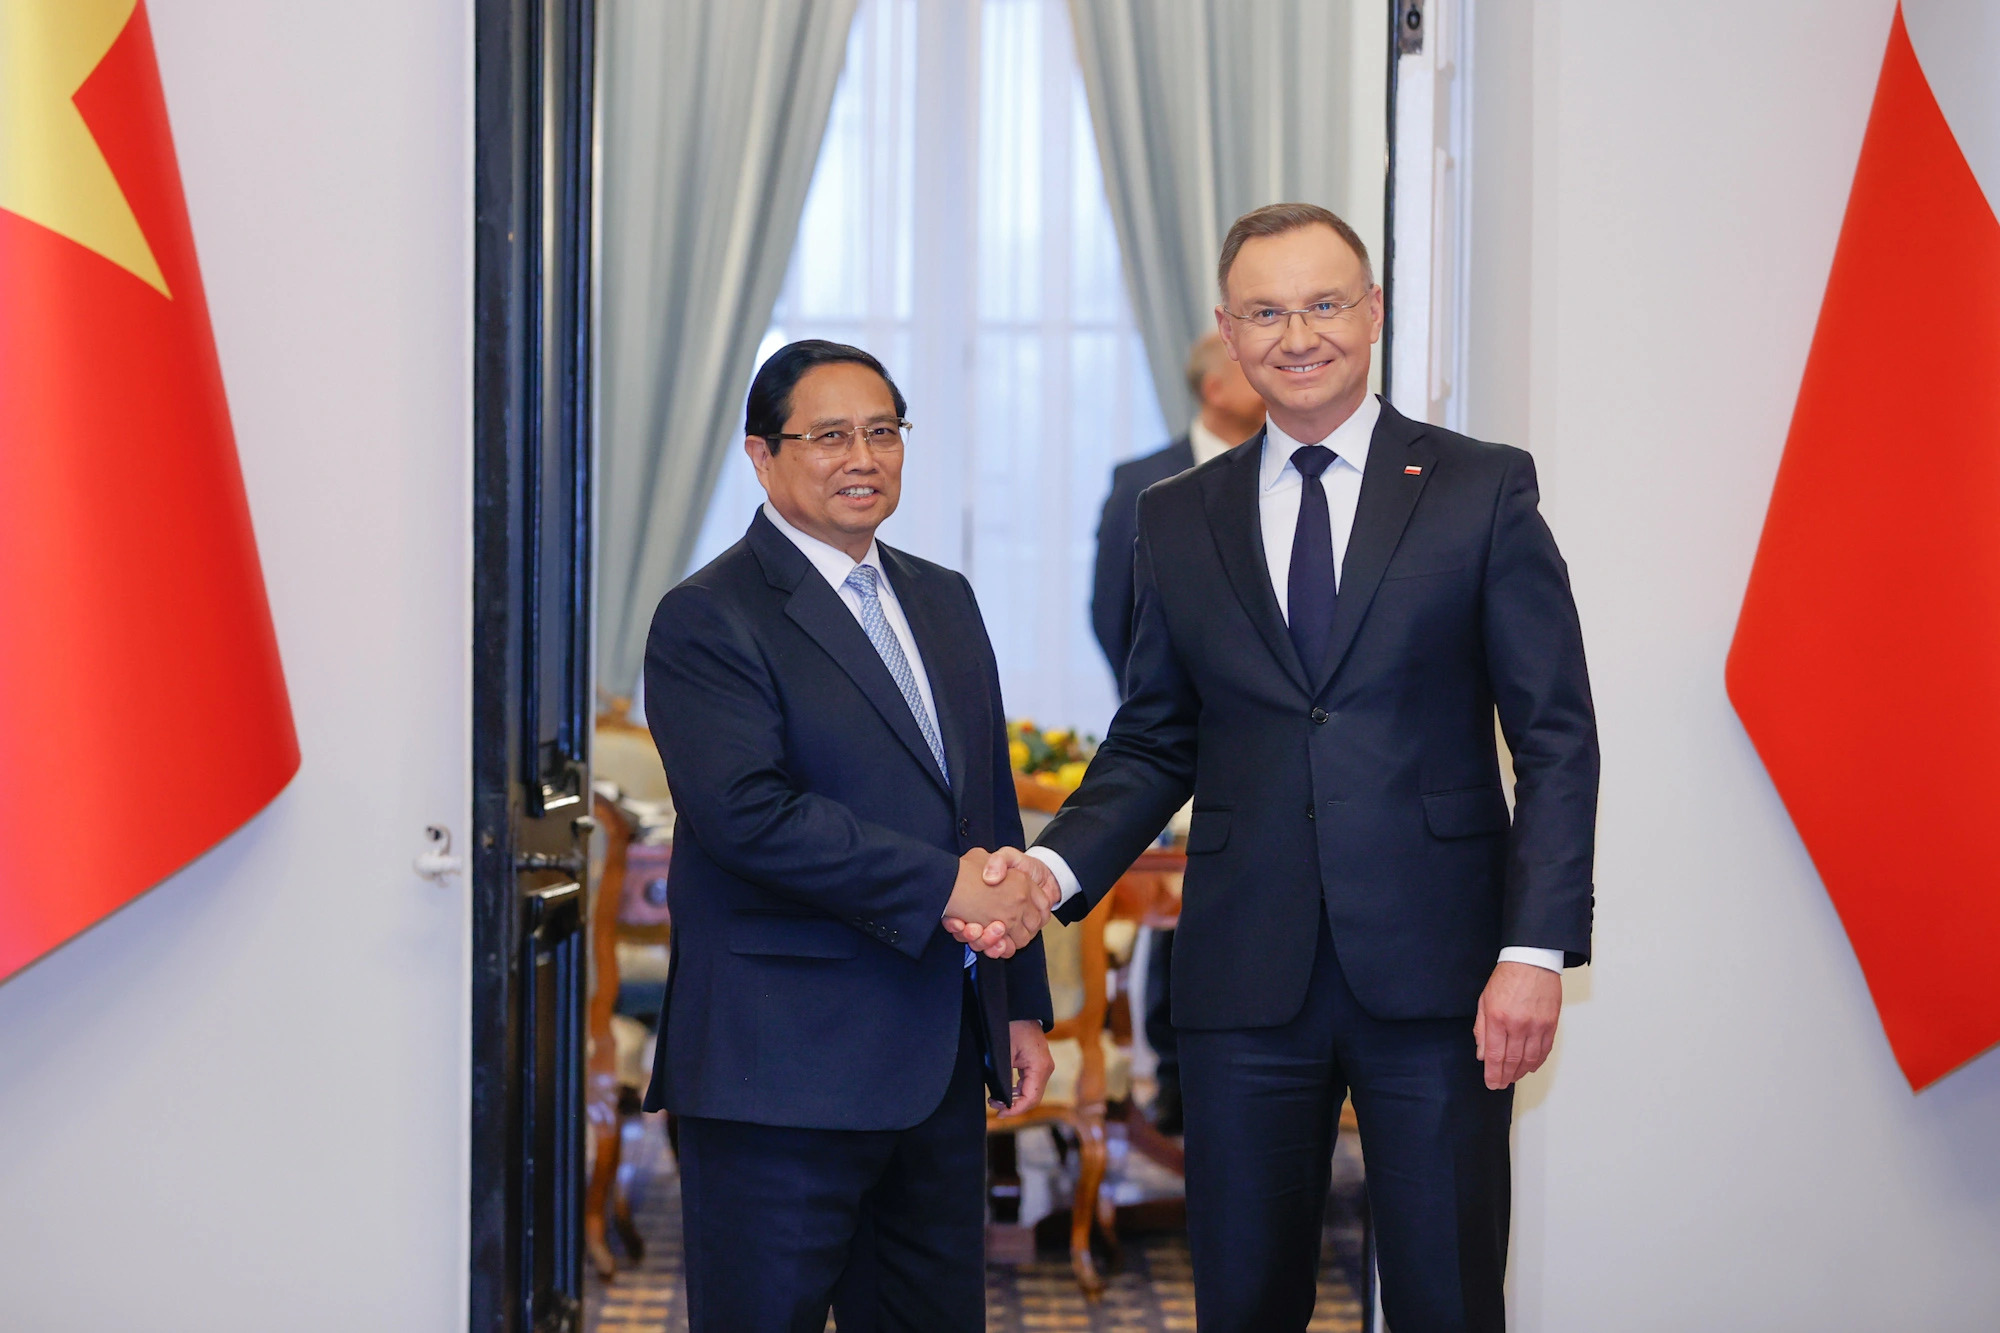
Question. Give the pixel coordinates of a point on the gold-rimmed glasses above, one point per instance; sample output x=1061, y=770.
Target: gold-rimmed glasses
x=1320, y=315
x=882, y=437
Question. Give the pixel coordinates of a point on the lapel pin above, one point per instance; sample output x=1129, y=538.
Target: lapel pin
x=1413, y=470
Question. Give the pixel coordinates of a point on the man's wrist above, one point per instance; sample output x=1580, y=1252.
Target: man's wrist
x=1552, y=959
x=1065, y=877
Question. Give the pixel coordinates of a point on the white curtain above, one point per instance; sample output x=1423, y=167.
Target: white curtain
x=1206, y=109
x=957, y=227
x=712, y=118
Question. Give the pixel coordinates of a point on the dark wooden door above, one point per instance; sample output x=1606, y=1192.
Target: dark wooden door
x=531, y=659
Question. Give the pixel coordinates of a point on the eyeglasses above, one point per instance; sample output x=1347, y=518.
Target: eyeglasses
x=1318, y=315
x=883, y=437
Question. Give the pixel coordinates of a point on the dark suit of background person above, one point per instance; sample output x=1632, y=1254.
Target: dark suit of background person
x=1227, y=412
x=820, y=1041
x=1352, y=869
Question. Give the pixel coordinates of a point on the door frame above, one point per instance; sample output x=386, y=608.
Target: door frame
x=526, y=225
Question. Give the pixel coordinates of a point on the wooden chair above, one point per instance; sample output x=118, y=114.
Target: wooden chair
x=1078, y=1094
x=623, y=755
x=605, y=1103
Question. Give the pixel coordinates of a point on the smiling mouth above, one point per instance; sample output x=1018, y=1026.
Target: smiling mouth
x=1306, y=369
x=858, y=492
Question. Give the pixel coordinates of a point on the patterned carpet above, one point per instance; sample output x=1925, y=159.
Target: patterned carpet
x=1151, y=1292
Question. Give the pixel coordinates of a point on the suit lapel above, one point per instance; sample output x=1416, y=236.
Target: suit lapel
x=1234, y=520
x=956, y=689
x=1388, y=497
x=816, y=608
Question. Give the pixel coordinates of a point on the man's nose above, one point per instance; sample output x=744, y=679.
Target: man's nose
x=1299, y=336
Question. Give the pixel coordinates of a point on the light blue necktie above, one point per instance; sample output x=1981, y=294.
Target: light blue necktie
x=875, y=624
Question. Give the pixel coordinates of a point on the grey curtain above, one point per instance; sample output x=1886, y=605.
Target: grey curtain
x=1204, y=110
x=712, y=121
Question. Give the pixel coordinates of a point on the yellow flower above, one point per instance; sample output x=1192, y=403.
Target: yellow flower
x=1017, y=755
x=1058, y=738
x=1070, y=776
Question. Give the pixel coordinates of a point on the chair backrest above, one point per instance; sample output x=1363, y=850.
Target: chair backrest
x=624, y=754
x=1078, y=966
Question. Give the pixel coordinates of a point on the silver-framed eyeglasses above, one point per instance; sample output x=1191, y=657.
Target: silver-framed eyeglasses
x=1319, y=315
x=883, y=437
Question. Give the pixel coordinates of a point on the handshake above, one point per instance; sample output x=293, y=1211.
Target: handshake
x=1000, y=900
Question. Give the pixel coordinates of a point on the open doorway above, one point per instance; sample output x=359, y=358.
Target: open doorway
x=952, y=185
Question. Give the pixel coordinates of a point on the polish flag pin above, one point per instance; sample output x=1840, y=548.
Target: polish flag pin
x=1413, y=470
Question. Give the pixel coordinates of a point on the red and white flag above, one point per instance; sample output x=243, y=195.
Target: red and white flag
x=1866, y=664
x=143, y=712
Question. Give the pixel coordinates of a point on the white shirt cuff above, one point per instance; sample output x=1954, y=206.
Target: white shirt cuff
x=1552, y=959
x=1064, y=875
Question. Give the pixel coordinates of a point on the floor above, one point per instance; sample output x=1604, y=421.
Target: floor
x=1152, y=1291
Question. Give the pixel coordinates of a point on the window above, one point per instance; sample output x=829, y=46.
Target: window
x=957, y=228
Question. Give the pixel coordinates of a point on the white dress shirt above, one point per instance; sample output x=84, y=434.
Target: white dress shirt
x=1279, y=487
x=1205, y=442
x=835, y=565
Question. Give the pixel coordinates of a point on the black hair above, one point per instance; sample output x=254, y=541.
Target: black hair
x=771, y=391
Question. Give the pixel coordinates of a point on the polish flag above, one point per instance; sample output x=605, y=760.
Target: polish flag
x=143, y=712
x=1866, y=664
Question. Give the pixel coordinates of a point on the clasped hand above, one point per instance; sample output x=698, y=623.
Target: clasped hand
x=1000, y=900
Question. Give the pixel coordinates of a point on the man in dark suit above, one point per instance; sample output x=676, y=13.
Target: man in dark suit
x=1321, y=672
x=828, y=711
x=1229, y=412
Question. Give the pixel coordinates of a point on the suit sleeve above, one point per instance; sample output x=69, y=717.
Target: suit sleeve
x=716, y=718
x=1534, y=658
x=1144, y=770
x=1027, y=972
x=1111, y=593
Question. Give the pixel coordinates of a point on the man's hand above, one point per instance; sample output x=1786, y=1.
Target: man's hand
x=1516, y=1025
x=1032, y=1061
x=994, y=914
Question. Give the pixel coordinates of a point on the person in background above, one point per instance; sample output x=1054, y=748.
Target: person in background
x=1229, y=412
x=828, y=711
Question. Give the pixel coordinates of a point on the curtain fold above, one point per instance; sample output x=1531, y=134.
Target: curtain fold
x=712, y=121
x=1206, y=109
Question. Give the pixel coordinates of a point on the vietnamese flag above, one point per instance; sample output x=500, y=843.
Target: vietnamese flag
x=143, y=713
x=1866, y=664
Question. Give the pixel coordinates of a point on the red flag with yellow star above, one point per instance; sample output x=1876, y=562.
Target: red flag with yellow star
x=143, y=713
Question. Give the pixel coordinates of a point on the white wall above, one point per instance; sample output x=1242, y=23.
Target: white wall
x=241, y=1103
x=1723, y=1141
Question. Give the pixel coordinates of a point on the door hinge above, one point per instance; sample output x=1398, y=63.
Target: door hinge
x=1409, y=27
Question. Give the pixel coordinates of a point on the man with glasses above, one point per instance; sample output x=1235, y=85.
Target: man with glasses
x=828, y=710
x=1361, y=915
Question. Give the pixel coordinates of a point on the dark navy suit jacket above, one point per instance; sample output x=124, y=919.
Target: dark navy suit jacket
x=817, y=844
x=1368, y=785
x=1117, y=528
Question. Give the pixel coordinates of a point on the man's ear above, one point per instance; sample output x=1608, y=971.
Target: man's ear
x=760, y=455
x=1226, y=328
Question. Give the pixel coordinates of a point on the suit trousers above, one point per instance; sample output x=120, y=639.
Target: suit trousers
x=1262, y=1108
x=886, y=1227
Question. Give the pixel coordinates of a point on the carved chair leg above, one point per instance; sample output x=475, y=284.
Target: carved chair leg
x=603, y=1175
x=621, y=1198
x=1091, y=1158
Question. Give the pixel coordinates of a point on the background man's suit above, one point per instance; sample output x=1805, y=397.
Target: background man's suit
x=1117, y=527
x=819, y=1028
x=1352, y=870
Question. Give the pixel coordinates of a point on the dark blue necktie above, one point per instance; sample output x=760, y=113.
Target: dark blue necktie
x=1309, y=591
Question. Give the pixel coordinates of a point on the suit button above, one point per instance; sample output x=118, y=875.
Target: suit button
x=1310, y=814
x=964, y=828
x=1320, y=715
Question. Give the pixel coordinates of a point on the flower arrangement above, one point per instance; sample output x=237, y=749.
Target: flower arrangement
x=1056, y=758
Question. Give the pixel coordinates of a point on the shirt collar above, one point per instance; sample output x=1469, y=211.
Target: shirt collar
x=1349, y=440
x=1205, y=442
x=833, y=563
